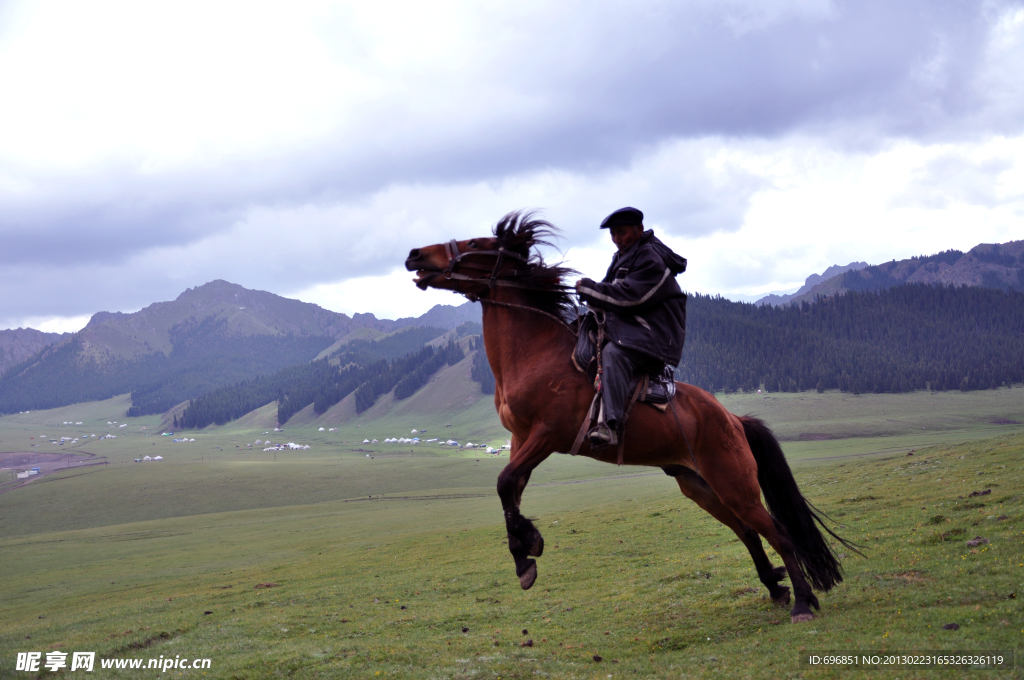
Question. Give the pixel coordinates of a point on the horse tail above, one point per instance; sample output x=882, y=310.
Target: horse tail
x=788, y=506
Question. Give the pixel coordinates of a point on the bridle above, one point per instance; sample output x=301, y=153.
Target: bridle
x=451, y=248
x=451, y=272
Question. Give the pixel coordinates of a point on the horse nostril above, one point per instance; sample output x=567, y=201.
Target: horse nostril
x=415, y=252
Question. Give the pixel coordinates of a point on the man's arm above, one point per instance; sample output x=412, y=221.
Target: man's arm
x=642, y=288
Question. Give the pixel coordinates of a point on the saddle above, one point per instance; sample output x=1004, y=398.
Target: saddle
x=660, y=388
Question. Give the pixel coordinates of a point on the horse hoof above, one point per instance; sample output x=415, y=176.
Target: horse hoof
x=529, y=576
x=782, y=597
x=800, y=618
x=538, y=547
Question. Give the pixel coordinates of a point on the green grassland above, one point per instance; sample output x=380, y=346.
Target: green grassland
x=837, y=415
x=834, y=424
x=125, y=559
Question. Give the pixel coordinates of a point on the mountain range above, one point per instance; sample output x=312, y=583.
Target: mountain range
x=221, y=334
x=988, y=265
x=208, y=337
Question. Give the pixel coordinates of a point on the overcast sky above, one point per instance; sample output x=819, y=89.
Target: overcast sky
x=304, y=148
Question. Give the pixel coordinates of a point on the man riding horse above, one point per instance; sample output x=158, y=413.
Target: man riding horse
x=721, y=461
x=644, y=315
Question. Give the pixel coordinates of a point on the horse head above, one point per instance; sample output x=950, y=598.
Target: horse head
x=474, y=266
x=462, y=266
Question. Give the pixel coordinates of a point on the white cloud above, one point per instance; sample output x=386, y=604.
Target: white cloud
x=826, y=208
x=53, y=324
x=752, y=217
x=162, y=85
x=391, y=296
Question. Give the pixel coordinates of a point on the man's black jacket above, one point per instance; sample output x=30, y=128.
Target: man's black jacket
x=646, y=309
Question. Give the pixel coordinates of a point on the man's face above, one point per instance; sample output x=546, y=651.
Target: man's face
x=625, y=236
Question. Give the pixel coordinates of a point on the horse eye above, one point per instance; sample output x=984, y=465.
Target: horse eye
x=471, y=244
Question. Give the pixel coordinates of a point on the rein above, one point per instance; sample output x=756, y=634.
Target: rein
x=569, y=328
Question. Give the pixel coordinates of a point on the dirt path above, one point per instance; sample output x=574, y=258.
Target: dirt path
x=48, y=463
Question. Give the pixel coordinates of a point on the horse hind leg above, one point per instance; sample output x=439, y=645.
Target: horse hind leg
x=777, y=536
x=770, y=576
x=793, y=521
x=743, y=498
x=696, y=489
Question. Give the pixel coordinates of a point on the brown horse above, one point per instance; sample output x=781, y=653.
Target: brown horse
x=721, y=461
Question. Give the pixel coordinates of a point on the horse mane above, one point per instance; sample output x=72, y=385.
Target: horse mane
x=521, y=231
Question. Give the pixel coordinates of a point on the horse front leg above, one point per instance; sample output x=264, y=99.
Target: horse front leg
x=524, y=540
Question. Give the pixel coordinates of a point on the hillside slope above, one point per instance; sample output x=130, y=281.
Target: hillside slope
x=450, y=397
x=449, y=392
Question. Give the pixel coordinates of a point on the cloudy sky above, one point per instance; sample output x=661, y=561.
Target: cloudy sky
x=304, y=148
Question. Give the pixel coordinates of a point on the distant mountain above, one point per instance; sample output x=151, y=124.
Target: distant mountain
x=237, y=310
x=210, y=336
x=988, y=265
x=443, y=316
x=809, y=284
x=19, y=344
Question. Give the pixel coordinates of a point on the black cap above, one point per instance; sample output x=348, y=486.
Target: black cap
x=623, y=217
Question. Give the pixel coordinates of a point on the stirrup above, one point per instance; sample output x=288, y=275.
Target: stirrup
x=602, y=436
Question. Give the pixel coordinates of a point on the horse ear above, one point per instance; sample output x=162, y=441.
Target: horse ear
x=521, y=246
x=523, y=239
x=506, y=227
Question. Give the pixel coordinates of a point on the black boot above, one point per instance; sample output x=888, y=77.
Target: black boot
x=603, y=435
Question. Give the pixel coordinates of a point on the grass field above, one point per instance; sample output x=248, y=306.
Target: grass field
x=127, y=559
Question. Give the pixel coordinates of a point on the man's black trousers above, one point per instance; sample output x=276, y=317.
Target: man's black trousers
x=618, y=364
